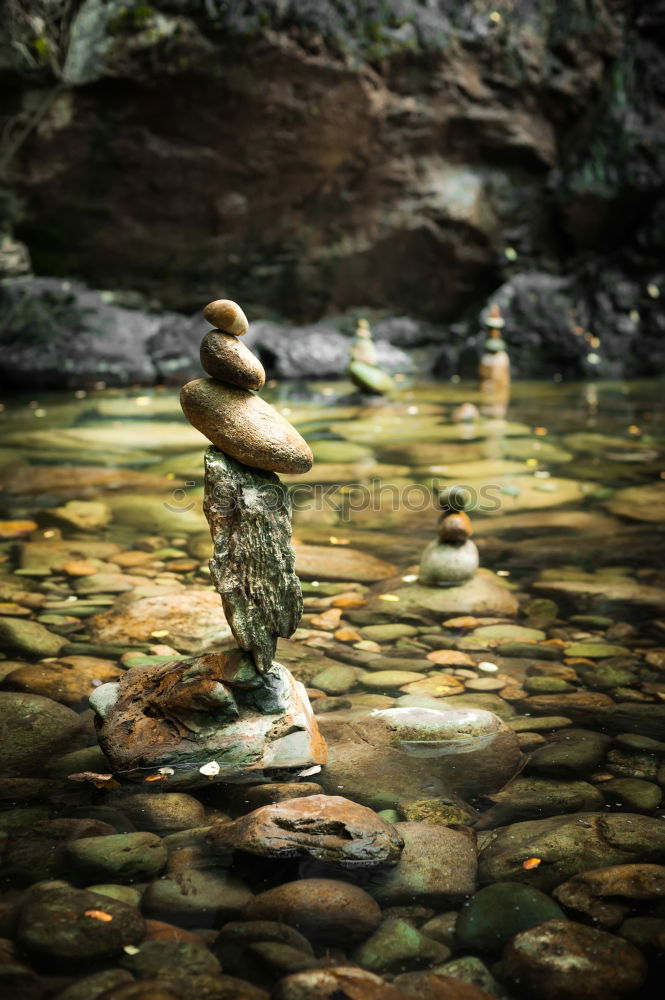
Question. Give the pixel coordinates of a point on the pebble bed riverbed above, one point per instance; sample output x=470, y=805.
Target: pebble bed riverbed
x=534, y=868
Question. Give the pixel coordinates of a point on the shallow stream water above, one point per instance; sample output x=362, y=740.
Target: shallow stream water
x=557, y=873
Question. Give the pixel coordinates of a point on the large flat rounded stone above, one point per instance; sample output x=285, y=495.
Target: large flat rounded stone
x=244, y=426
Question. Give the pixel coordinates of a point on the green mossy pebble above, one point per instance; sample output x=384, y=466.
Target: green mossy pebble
x=171, y=959
x=389, y=679
x=334, y=680
x=529, y=650
x=633, y=793
x=397, y=946
x=633, y=741
x=498, y=912
x=29, y=638
x=546, y=685
x=508, y=632
x=596, y=650
x=119, y=856
x=389, y=815
x=592, y=621
x=124, y=893
x=386, y=633
x=91, y=987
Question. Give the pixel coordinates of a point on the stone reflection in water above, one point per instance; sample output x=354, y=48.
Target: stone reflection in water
x=230, y=715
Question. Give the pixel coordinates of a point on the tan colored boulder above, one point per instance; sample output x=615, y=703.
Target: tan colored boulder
x=245, y=427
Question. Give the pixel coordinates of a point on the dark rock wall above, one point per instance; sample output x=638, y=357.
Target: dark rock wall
x=312, y=156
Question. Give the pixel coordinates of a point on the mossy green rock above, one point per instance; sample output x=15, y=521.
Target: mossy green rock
x=54, y=924
x=596, y=650
x=120, y=856
x=535, y=798
x=398, y=946
x=91, y=987
x=34, y=729
x=334, y=680
x=171, y=959
x=571, y=752
x=503, y=632
x=633, y=793
x=370, y=379
x=28, y=638
x=498, y=912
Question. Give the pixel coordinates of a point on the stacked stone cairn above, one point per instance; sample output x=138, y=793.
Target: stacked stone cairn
x=233, y=715
x=452, y=558
x=363, y=368
x=494, y=368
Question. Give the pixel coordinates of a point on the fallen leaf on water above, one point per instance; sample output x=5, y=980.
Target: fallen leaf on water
x=531, y=863
x=98, y=915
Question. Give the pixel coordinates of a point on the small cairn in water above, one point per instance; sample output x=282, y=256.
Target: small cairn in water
x=452, y=558
x=231, y=715
x=363, y=369
x=494, y=367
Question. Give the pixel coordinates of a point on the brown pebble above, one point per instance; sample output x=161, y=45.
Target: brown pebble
x=227, y=316
x=226, y=358
x=332, y=912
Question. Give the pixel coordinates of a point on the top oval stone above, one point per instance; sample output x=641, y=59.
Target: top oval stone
x=244, y=426
x=226, y=315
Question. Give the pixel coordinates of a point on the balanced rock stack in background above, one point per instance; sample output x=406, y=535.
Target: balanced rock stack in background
x=232, y=715
x=452, y=558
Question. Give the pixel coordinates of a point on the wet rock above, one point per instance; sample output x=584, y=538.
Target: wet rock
x=174, y=959
x=65, y=926
x=34, y=729
x=335, y=680
x=76, y=515
x=535, y=798
x=91, y=987
x=193, y=898
x=28, y=638
x=646, y=933
x=40, y=852
x=234, y=946
x=632, y=717
x=567, y=845
x=562, y=960
x=70, y=679
x=228, y=360
x=607, y=895
x=165, y=812
x=438, y=866
x=643, y=796
x=397, y=946
x=226, y=717
x=583, y=707
x=336, y=983
x=569, y=753
x=472, y=971
x=498, y=912
x=434, y=986
x=398, y=754
x=123, y=893
x=328, y=911
x=325, y=827
x=321, y=562
x=480, y=596
x=121, y=856
x=194, y=619
x=245, y=427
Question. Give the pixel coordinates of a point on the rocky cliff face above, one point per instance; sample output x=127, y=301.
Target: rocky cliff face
x=312, y=156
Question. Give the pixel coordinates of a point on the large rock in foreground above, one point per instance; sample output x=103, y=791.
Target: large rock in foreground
x=212, y=717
